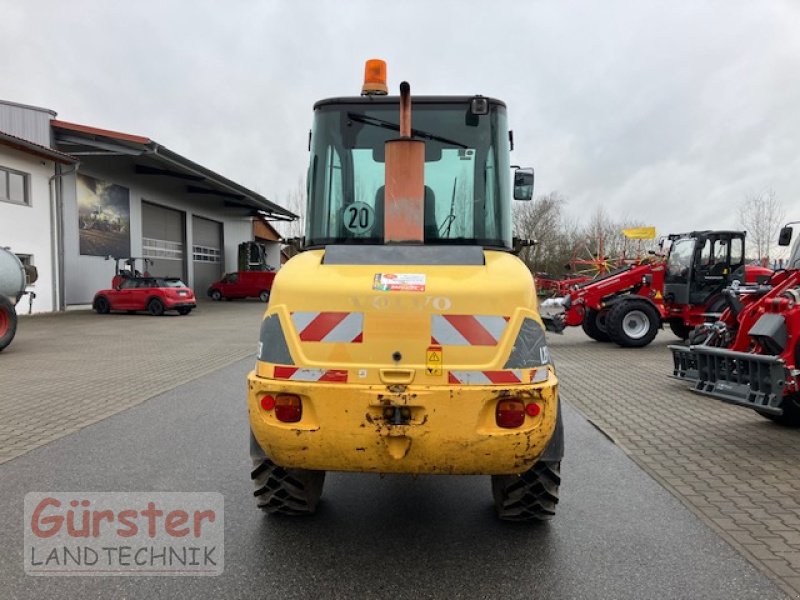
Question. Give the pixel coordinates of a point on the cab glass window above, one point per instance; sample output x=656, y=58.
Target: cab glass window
x=737, y=252
x=467, y=176
x=679, y=261
x=721, y=251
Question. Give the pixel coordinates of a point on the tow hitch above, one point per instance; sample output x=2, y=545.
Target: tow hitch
x=397, y=415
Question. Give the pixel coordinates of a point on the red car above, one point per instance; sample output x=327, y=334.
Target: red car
x=152, y=294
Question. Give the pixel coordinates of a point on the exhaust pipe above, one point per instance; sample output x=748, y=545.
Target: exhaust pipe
x=404, y=195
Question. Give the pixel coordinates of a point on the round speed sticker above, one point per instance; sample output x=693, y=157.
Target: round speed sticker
x=359, y=217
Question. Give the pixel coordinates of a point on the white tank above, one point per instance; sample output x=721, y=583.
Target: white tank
x=12, y=276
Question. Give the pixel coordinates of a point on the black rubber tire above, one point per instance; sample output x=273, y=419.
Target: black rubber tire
x=680, y=329
x=698, y=335
x=282, y=491
x=791, y=412
x=592, y=328
x=264, y=296
x=717, y=305
x=530, y=496
x=625, y=309
x=8, y=322
x=155, y=307
x=216, y=295
x=184, y=311
x=101, y=305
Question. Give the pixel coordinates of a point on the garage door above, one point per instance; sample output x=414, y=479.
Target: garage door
x=207, y=263
x=163, y=240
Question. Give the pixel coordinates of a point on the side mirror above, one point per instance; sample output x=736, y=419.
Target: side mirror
x=785, y=237
x=523, y=184
x=518, y=244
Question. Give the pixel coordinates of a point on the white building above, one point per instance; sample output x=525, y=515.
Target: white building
x=75, y=195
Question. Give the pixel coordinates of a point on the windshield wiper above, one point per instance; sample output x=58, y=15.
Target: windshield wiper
x=391, y=126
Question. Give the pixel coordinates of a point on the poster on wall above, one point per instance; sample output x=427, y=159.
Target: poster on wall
x=104, y=218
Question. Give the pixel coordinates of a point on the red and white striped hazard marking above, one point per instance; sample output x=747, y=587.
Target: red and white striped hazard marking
x=485, y=377
x=298, y=374
x=540, y=374
x=467, y=330
x=347, y=327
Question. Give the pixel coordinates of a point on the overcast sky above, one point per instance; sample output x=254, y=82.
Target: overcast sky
x=668, y=113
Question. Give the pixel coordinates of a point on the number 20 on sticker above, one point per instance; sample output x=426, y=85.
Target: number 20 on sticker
x=358, y=217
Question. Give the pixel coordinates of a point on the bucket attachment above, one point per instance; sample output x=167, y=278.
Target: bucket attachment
x=753, y=380
x=684, y=362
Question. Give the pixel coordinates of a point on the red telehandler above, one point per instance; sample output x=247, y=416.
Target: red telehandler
x=628, y=306
x=751, y=356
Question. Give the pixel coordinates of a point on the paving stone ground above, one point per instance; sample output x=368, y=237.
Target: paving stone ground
x=734, y=468
x=65, y=371
x=739, y=472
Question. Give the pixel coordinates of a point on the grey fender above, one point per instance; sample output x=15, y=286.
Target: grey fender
x=256, y=451
x=555, y=447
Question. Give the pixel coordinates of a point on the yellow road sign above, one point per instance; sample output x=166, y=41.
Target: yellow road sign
x=640, y=233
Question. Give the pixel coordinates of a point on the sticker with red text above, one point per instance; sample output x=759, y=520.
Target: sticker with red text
x=124, y=533
x=399, y=282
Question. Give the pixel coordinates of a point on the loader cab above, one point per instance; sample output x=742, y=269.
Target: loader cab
x=467, y=179
x=701, y=263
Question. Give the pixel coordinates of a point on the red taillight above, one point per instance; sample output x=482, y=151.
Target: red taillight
x=510, y=413
x=288, y=408
x=267, y=402
x=533, y=409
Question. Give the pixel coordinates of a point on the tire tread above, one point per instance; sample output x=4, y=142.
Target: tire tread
x=590, y=327
x=530, y=496
x=283, y=491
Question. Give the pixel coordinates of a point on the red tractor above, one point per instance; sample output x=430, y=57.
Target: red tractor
x=751, y=356
x=629, y=305
x=127, y=268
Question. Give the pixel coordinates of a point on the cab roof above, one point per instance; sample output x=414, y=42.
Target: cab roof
x=371, y=100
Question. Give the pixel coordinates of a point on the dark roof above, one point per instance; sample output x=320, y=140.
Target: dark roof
x=29, y=147
x=88, y=140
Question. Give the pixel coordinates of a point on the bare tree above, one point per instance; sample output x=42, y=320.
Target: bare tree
x=543, y=220
x=761, y=215
x=295, y=201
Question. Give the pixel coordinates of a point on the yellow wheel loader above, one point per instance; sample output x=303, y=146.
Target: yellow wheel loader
x=406, y=337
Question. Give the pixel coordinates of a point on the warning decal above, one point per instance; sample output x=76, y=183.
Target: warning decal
x=433, y=360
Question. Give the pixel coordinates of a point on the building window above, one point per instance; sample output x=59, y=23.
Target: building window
x=14, y=186
x=206, y=254
x=152, y=248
